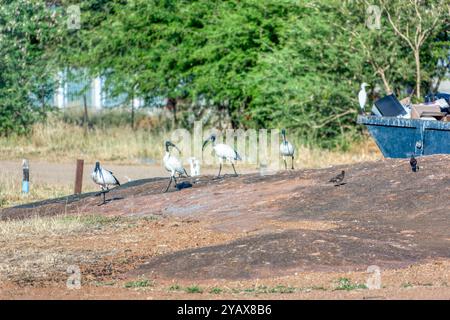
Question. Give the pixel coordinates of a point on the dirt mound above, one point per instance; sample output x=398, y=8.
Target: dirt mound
x=292, y=221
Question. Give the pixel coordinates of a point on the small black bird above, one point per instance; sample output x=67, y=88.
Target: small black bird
x=183, y=185
x=413, y=163
x=338, y=179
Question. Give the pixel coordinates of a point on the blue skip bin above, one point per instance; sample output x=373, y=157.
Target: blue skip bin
x=400, y=138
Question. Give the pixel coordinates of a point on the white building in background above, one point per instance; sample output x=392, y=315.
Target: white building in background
x=68, y=94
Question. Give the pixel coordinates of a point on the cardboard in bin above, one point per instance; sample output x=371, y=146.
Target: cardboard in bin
x=389, y=106
x=420, y=110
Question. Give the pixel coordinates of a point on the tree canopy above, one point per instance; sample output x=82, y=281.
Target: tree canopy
x=251, y=63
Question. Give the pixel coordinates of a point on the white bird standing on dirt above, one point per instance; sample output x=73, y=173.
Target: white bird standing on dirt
x=362, y=96
x=286, y=149
x=223, y=152
x=173, y=164
x=104, y=178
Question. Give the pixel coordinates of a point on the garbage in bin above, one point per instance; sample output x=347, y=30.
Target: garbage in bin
x=438, y=96
x=389, y=106
x=402, y=129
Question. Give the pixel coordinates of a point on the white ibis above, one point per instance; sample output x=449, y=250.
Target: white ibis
x=223, y=152
x=362, y=96
x=173, y=164
x=104, y=178
x=286, y=149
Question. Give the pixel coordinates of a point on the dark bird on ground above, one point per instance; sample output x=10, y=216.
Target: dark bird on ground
x=183, y=185
x=338, y=179
x=413, y=163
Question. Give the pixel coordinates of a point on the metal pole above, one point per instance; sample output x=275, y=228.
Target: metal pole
x=79, y=176
x=26, y=176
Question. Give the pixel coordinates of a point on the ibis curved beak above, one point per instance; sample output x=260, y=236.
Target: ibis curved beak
x=176, y=148
x=204, y=144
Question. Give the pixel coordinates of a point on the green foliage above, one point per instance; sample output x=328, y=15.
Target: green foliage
x=194, y=289
x=241, y=63
x=26, y=77
x=175, y=287
x=138, y=284
x=216, y=290
x=346, y=284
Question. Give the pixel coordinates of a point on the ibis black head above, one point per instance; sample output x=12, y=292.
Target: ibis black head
x=97, y=166
x=211, y=138
x=170, y=144
x=283, y=132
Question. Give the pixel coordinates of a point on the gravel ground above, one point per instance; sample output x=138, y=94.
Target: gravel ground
x=289, y=235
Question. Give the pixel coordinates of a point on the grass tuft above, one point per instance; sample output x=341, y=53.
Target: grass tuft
x=216, y=290
x=138, y=284
x=194, y=289
x=346, y=284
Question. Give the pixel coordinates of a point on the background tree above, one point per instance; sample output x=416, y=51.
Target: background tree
x=415, y=22
x=26, y=63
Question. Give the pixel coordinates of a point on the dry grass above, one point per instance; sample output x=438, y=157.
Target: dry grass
x=11, y=190
x=57, y=141
x=311, y=158
x=33, y=248
x=39, y=226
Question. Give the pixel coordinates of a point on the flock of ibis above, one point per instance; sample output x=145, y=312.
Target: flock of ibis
x=223, y=152
x=106, y=179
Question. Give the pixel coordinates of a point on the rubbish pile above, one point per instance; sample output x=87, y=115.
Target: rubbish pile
x=435, y=107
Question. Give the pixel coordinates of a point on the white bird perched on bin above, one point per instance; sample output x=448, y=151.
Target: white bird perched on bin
x=104, y=178
x=286, y=150
x=362, y=96
x=223, y=152
x=173, y=164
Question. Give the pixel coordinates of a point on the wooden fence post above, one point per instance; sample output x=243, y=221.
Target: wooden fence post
x=79, y=176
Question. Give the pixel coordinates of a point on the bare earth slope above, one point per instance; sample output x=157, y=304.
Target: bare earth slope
x=289, y=222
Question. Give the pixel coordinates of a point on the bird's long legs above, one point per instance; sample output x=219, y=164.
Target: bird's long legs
x=103, y=193
x=170, y=182
x=220, y=169
x=235, y=173
x=292, y=162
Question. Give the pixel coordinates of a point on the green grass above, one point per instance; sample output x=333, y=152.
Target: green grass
x=138, y=284
x=282, y=289
x=194, y=289
x=346, y=284
x=92, y=220
x=104, y=284
x=175, y=287
x=264, y=290
x=216, y=290
x=318, y=288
